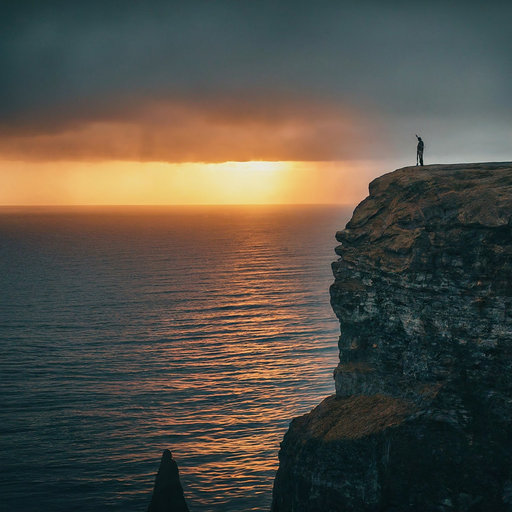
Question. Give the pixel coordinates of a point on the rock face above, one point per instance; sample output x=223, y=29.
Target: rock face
x=422, y=416
x=168, y=493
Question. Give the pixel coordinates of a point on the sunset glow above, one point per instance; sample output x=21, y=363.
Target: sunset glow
x=120, y=183
x=222, y=150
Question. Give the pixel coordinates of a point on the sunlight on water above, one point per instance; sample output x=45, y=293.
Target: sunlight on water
x=125, y=331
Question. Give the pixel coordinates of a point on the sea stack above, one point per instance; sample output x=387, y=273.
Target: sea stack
x=422, y=415
x=168, y=492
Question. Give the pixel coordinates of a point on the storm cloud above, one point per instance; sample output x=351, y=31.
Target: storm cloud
x=240, y=80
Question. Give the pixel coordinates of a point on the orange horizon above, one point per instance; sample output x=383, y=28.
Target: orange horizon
x=162, y=184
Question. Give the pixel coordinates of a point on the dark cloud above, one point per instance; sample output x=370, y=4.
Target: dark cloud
x=414, y=65
x=200, y=130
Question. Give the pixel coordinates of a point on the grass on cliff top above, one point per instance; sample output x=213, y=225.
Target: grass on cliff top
x=355, y=417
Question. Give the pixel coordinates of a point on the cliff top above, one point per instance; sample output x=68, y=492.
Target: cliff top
x=406, y=204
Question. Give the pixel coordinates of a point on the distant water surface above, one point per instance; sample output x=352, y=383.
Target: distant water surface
x=124, y=331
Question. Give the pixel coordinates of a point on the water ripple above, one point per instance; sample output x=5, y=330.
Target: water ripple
x=128, y=330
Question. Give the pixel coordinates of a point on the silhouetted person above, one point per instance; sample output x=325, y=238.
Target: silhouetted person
x=419, y=151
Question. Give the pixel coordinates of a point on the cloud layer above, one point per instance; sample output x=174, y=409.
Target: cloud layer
x=197, y=131
x=241, y=80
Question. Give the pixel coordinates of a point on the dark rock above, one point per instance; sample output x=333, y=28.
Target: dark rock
x=422, y=417
x=168, y=493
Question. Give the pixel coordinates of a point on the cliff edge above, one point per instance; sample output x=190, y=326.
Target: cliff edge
x=422, y=415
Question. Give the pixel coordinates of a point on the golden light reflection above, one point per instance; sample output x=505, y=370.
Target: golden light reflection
x=153, y=183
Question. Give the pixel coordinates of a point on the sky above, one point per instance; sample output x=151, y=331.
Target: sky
x=244, y=101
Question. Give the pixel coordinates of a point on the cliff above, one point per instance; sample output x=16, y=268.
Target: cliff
x=422, y=416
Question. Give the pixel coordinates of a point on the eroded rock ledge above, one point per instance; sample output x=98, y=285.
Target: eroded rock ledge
x=422, y=416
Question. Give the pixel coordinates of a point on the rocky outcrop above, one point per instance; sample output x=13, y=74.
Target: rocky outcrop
x=422, y=416
x=168, y=492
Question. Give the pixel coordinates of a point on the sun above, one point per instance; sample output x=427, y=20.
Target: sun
x=262, y=166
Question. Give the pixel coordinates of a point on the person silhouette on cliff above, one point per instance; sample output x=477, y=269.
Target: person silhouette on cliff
x=419, y=151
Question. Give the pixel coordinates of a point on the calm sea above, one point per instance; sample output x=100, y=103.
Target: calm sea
x=124, y=331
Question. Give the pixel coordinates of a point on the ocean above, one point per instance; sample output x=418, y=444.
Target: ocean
x=128, y=330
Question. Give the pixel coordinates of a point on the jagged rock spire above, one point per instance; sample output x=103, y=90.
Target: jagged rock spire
x=168, y=492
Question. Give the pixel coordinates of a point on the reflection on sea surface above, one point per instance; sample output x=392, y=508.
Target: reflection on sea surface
x=125, y=331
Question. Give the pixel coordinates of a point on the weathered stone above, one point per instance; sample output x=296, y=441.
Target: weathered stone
x=168, y=492
x=423, y=293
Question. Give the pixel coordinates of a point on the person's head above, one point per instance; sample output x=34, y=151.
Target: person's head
x=419, y=138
